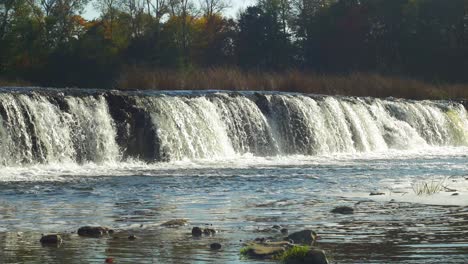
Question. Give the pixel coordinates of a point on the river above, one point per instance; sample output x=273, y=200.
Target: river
x=238, y=162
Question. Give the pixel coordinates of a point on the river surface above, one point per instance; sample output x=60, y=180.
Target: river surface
x=242, y=197
x=237, y=162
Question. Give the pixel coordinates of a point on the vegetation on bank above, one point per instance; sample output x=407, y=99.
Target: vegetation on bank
x=356, y=84
x=49, y=43
x=13, y=83
x=235, y=79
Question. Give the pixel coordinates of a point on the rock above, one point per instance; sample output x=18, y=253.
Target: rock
x=455, y=194
x=260, y=239
x=316, y=256
x=343, y=210
x=313, y=256
x=196, y=232
x=304, y=237
x=263, y=239
x=376, y=194
x=175, y=223
x=132, y=237
x=94, y=231
x=284, y=231
x=276, y=227
x=265, y=250
x=215, y=246
x=208, y=231
x=51, y=239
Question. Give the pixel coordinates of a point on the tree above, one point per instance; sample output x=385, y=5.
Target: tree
x=109, y=9
x=59, y=18
x=213, y=7
x=182, y=14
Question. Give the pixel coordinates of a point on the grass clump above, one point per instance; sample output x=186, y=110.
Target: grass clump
x=294, y=254
x=245, y=251
x=429, y=187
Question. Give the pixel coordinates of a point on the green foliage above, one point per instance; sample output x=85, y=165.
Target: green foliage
x=245, y=250
x=295, y=253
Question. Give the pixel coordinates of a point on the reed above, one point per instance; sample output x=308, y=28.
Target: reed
x=13, y=83
x=355, y=84
x=428, y=187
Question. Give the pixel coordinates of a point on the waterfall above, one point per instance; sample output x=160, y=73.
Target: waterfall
x=41, y=129
x=41, y=126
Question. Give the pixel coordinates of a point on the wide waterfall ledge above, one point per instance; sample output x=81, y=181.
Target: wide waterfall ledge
x=42, y=126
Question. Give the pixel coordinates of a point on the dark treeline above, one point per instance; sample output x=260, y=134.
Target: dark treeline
x=48, y=42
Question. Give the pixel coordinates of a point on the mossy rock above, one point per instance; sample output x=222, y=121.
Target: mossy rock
x=304, y=255
x=265, y=250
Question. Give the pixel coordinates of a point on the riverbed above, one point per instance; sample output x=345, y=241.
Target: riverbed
x=242, y=197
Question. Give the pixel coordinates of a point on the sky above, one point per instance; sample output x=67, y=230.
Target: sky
x=232, y=11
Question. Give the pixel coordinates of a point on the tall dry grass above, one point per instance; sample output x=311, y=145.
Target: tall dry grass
x=357, y=84
x=13, y=83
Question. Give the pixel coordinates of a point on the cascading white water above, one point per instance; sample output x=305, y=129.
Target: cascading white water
x=187, y=127
x=93, y=129
x=40, y=128
x=247, y=127
x=34, y=129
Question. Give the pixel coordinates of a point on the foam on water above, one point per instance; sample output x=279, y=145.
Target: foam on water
x=392, y=172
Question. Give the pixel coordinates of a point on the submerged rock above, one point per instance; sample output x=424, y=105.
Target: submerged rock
x=209, y=231
x=132, y=237
x=197, y=232
x=284, y=231
x=175, y=223
x=94, y=231
x=343, y=210
x=376, y=193
x=51, y=239
x=304, y=237
x=215, y=246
